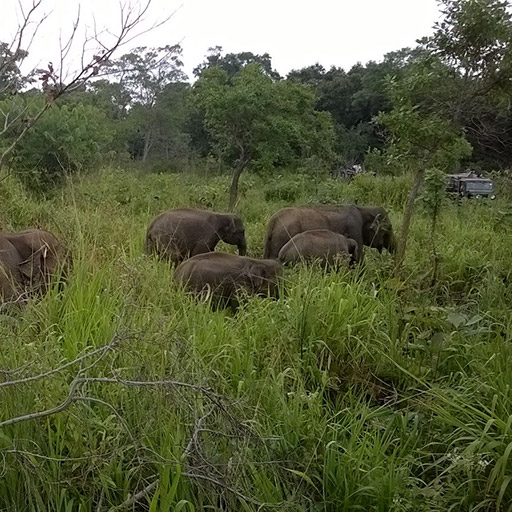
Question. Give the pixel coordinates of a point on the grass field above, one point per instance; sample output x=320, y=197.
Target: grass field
x=354, y=391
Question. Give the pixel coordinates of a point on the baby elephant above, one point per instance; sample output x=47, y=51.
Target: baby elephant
x=320, y=244
x=27, y=262
x=224, y=275
x=178, y=234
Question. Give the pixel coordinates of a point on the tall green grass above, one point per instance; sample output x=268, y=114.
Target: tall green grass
x=353, y=391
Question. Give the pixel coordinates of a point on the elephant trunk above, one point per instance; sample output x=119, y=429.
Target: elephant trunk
x=242, y=247
x=391, y=245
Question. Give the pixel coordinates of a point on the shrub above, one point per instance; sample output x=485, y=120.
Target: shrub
x=67, y=139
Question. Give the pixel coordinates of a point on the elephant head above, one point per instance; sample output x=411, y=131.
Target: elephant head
x=232, y=231
x=263, y=277
x=31, y=258
x=41, y=265
x=377, y=228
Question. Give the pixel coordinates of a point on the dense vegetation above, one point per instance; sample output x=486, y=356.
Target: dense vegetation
x=352, y=391
x=385, y=387
x=241, y=114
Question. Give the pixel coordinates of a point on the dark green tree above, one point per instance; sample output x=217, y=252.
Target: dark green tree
x=473, y=42
x=233, y=63
x=353, y=98
x=67, y=140
x=144, y=75
x=253, y=121
x=11, y=78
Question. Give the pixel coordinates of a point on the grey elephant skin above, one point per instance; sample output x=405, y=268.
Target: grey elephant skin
x=225, y=275
x=28, y=260
x=329, y=248
x=178, y=234
x=367, y=225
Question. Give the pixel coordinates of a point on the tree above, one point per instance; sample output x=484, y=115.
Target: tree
x=353, y=98
x=68, y=139
x=144, y=74
x=474, y=44
x=233, y=63
x=463, y=73
x=255, y=121
x=11, y=79
x=97, y=50
x=419, y=139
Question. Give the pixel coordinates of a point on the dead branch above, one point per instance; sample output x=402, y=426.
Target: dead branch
x=80, y=381
x=48, y=412
x=136, y=498
x=238, y=494
x=102, y=350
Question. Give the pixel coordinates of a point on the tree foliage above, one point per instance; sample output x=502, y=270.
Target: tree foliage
x=68, y=139
x=144, y=77
x=233, y=63
x=11, y=78
x=255, y=121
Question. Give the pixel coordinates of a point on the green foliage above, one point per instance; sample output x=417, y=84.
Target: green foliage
x=419, y=135
x=350, y=392
x=233, y=63
x=473, y=42
x=11, y=78
x=476, y=37
x=434, y=192
x=265, y=122
x=152, y=83
x=66, y=140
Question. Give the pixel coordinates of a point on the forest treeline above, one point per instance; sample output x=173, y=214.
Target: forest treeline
x=450, y=94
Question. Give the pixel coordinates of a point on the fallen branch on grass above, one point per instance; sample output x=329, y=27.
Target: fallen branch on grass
x=102, y=350
x=78, y=382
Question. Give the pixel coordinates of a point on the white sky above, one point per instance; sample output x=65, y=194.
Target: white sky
x=296, y=33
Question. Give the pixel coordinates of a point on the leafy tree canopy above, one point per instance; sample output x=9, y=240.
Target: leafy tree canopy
x=255, y=121
x=233, y=63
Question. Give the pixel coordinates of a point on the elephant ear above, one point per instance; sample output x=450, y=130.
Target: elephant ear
x=376, y=223
x=33, y=269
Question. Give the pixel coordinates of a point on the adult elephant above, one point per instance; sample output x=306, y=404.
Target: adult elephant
x=323, y=245
x=225, y=275
x=367, y=225
x=28, y=260
x=178, y=234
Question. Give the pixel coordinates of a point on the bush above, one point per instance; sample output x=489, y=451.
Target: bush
x=67, y=139
x=390, y=191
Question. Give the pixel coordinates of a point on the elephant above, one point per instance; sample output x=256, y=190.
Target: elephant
x=367, y=225
x=320, y=244
x=178, y=234
x=28, y=260
x=224, y=275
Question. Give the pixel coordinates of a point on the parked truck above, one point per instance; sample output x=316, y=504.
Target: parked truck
x=471, y=185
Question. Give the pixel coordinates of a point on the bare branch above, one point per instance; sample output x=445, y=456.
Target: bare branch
x=136, y=498
x=54, y=82
x=102, y=350
x=48, y=412
x=79, y=381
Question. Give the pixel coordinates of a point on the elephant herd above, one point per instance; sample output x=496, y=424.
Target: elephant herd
x=332, y=234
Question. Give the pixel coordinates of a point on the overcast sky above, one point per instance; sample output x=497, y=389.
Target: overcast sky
x=296, y=33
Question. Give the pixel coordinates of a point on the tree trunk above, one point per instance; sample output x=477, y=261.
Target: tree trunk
x=233, y=191
x=241, y=164
x=147, y=146
x=406, y=223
